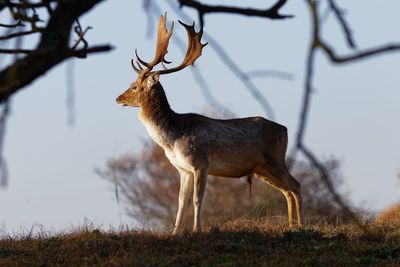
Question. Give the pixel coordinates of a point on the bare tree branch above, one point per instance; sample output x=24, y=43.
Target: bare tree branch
x=305, y=108
x=15, y=51
x=271, y=13
x=80, y=53
x=356, y=56
x=83, y=52
x=317, y=43
x=51, y=50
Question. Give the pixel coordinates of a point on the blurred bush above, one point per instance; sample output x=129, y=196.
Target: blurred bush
x=390, y=215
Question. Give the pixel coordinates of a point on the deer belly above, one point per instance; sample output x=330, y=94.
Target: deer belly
x=231, y=166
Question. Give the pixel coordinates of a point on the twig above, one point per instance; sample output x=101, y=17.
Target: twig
x=345, y=27
x=18, y=24
x=81, y=35
x=18, y=34
x=22, y=15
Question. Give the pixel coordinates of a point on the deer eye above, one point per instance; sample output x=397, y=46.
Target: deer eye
x=133, y=88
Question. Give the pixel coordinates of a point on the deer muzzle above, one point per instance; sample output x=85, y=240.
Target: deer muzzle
x=120, y=101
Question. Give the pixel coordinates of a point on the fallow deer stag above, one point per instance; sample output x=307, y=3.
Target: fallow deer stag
x=197, y=145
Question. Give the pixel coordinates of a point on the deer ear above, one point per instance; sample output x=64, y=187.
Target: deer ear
x=152, y=79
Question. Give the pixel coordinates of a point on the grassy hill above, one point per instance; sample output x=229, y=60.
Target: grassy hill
x=238, y=243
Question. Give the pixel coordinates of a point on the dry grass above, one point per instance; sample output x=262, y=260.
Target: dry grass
x=237, y=243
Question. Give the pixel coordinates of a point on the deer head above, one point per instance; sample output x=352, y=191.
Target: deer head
x=147, y=81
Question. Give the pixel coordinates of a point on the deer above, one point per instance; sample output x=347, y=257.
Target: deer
x=198, y=146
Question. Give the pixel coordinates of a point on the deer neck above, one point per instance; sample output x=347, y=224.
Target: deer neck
x=158, y=118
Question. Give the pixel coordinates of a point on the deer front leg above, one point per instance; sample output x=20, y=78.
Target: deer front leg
x=185, y=189
x=200, y=179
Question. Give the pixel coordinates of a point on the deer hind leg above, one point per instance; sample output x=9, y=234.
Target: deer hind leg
x=290, y=205
x=295, y=191
x=185, y=190
x=299, y=203
x=200, y=180
x=285, y=191
x=289, y=187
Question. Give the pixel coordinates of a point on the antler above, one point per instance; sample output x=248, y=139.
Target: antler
x=193, y=51
x=163, y=35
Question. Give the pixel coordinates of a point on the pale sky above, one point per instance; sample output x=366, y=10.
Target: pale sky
x=354, y=111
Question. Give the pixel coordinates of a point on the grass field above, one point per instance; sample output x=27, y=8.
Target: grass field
x=237, y=243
